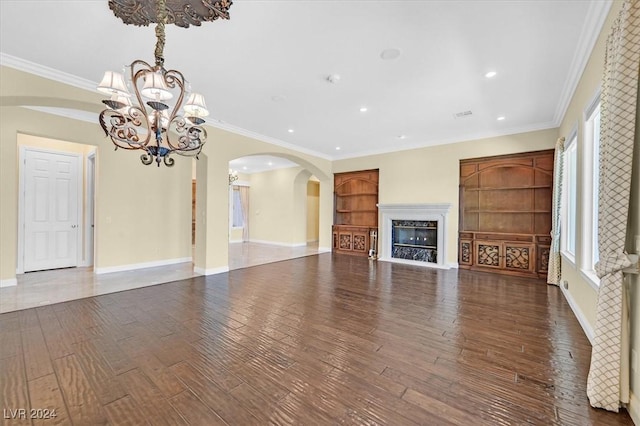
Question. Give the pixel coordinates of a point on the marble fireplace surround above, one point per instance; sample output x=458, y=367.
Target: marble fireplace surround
x=430, y=211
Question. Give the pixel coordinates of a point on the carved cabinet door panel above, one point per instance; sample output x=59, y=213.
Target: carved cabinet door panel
x=466, y=252
x=519, y=257
x=488, y=254
x=345, y=240
x=360, y=242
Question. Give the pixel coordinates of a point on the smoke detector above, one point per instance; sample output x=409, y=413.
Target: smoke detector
x=462, y=114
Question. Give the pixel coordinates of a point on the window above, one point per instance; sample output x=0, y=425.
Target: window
x=591, y=186
x=237, y=217
x=569, y=192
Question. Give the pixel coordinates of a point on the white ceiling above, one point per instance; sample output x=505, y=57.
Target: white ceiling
x=284, y=50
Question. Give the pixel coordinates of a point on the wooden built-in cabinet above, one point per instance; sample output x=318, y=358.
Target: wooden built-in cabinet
x=356, y=211
x=505, y=213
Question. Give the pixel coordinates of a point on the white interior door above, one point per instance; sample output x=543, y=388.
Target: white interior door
x=51, y=210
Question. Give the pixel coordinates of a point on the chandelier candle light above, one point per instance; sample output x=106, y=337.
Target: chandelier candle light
x=156, y=126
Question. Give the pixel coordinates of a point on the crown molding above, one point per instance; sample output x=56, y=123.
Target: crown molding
x=459, y=139
x=46, y=72
x=268, y=139
x=74, y=114
x=72, y=80
x=591, y=29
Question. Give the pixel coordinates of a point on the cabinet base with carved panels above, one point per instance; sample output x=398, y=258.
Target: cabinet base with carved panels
x=351, y=239
x=523, y=255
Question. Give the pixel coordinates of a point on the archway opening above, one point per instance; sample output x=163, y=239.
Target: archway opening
x=274, y=210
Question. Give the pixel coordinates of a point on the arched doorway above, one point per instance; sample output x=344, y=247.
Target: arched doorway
x=273, y=210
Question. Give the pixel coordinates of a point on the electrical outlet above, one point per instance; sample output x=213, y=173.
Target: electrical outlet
x=565, y=283
x=634, y=360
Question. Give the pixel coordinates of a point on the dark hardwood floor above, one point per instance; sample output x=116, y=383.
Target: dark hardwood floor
x=317, y=340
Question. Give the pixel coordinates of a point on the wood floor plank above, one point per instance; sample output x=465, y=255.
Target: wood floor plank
x=82, y=403
x=46, y=395
x=100, y=375
x=126, y=412
x=14, y=392
x=153, y=406
x=36, y=353
x=320, y=340
x=194, y=411
x=214, y=397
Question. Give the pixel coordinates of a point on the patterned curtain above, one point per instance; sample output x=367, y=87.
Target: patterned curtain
x=553, y=272
x=244, y=202
x=618, y=113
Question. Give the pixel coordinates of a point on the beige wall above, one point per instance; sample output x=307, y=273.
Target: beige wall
x=278, y=206
x=431, y=175
x=313, y=213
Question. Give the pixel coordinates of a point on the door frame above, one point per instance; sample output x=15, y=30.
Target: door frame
x=21, y=189
x=90, y=208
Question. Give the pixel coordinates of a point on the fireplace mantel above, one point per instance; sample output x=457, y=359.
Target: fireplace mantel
x=413, y=212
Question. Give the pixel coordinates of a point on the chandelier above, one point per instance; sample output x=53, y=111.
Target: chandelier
x=233, y=176
x=156, y=119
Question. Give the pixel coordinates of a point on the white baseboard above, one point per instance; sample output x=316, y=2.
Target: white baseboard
x=324, y=249
x=453, y=265
x=8, y=283
x=634, y=408
x=586, y=327
x=312, y=241
x=235, y=241
x=132, y=266
x=276, y=243
x=211, y=271
x=414, y=263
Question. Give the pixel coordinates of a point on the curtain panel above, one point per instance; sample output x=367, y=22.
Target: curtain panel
x=619, y=96
x=244, y=202
x=554, y=269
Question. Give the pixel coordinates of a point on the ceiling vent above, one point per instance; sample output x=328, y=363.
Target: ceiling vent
x=463, y=114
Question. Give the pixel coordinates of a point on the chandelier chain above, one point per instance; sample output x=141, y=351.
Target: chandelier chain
x=160, y=36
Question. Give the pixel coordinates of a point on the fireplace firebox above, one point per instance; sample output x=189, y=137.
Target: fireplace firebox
x=415, y=240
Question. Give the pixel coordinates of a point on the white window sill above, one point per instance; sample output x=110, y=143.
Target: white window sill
x=591, y=278
x=568, y=257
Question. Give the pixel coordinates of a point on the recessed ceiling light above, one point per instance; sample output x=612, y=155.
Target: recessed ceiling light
x=502, y=117
x=337, y=148
x=401, y=136
x=244, y=167
x=491, y=74
x=290, y=130
x=363, y=109
x=270, y=163
x=390, y=54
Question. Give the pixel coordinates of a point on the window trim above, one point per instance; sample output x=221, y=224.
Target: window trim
x=590, y=179
x=566, y=254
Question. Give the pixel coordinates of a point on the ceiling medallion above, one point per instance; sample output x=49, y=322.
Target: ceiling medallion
x=179, y=12
x=158, y=127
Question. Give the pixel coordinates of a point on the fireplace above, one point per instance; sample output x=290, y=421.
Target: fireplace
x=414, y=233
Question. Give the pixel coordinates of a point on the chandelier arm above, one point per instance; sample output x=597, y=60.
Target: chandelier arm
x=160, y=36
x=138, y=75
x=173, y=78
